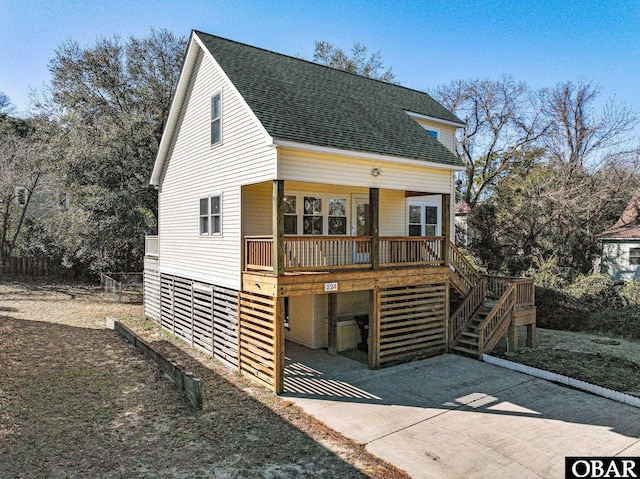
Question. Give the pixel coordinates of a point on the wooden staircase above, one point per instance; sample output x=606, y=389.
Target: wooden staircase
x=468, y=342
x=489, y=307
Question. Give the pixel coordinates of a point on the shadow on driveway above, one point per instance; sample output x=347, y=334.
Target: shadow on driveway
x=450, y=416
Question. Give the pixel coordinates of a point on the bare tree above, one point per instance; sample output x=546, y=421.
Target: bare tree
x=503, y=120
x=579, y=135
x=23, y=161
x=328, y=54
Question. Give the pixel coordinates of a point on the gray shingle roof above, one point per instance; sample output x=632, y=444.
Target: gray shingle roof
x=300, y=101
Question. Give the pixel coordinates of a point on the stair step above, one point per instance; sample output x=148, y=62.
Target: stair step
x=466, y=351
x=470, y=343
x=470, y=334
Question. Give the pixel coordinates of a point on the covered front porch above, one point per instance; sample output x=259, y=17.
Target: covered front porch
x=293, y=227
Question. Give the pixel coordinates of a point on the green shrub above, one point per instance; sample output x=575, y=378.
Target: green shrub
x=474, y=260
x=547, y=274
x=622, y=322
x=556, y=309
x=630, y=293
x=595, y=291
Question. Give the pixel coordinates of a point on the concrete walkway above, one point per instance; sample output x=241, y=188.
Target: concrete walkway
x=453, y=417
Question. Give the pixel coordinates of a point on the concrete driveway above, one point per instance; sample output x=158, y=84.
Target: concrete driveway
x=453, y=417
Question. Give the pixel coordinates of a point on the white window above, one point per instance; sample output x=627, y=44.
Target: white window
x=634, y=256
x=211, y=215
x=315, y=214
x=216, y=118
x=290, y=215
x=337, y=220
x=312, y=219
x=423, y=219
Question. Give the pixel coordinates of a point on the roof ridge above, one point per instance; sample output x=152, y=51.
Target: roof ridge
x=315, y=63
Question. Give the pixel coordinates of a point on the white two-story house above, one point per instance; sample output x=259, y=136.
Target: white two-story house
x=301, y=202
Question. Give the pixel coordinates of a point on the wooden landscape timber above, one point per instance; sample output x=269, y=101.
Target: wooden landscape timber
x=184, y=381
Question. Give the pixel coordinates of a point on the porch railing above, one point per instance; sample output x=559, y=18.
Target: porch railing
x=302, y=253
x=411, y=250
x=320, y=253
x=464, y=270
x=524, y=289
x=151, y=245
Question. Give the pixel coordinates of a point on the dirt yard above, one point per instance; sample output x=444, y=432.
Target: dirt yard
x=76, y=401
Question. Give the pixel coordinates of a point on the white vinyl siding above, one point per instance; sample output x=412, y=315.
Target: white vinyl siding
x=311, y=167
x=446, y=133
x=617, y=260
x=195, y=170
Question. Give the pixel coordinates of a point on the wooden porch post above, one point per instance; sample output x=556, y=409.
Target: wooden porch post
x=278, y=227
x=513, y=337
x=332, y=309
x=374, y=214
x=446, y=227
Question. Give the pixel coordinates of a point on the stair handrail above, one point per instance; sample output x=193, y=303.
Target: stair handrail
x=471, y=303
x=496, y=322
x=461, y=266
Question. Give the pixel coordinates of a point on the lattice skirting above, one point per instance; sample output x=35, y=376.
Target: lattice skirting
x=204, y=315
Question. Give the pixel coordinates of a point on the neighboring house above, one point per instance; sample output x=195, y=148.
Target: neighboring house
x=620, y=258
x=464, y=233
x=302, y=202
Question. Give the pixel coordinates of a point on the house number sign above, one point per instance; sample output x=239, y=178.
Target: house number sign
x=331, y=286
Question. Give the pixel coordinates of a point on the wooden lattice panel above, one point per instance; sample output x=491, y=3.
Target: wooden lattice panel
x=261, y=348
x=204, y=315
x=225, y=325
x=412, y=322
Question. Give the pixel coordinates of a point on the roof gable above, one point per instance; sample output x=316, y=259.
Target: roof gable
x=300, y=101
x=628, y=225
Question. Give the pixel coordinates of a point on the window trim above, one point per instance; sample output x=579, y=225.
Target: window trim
x=210, y=216
x=634, y=255
x=217, y=93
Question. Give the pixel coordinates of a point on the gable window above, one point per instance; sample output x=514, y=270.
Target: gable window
x=211, y=215
x=634, y=256
x=432, y=131
x=216, y=118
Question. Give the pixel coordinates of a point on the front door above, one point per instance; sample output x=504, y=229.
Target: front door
x=360, y=226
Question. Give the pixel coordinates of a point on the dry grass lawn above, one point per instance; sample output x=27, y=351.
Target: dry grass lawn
x=613, y=363
x=76, y=401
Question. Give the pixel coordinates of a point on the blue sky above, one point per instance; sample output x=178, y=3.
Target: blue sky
x=427, y=43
